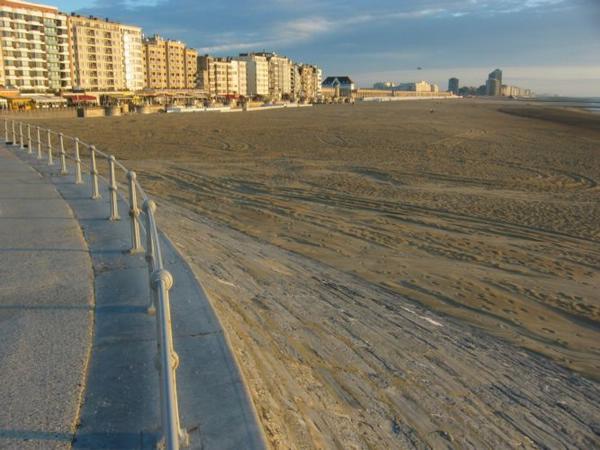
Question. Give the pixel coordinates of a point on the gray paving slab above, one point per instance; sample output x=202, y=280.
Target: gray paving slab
x=121, y=401
x=46, y=301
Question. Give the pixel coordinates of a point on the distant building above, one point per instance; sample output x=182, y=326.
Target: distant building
x=419, y=86
x=384, y=85
x=310, y=82
x=257, y=73
x=169, y=64
x=342, y=86
x=453, y=85
x=222, y=77
x=279, y=73
x=434, y=88
x=494, y=83
x=515, y=91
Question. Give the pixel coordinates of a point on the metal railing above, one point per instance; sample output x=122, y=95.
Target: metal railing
x=30, y=137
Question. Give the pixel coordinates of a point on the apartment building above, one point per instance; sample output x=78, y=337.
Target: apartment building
x=222, y=77
x=169, y=64
x=280, y=75
x=34, y=49
x=310, y=81
x=257, y=73
x=2, y=81
x=106, y=56
x=133, y=58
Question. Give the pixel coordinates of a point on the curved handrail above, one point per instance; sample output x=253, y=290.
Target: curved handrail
x=160, y=279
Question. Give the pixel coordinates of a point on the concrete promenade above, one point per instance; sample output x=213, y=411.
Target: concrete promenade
x=46, y=300
x=84, y=286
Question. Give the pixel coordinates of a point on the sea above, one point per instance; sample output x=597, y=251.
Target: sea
x=588, y=103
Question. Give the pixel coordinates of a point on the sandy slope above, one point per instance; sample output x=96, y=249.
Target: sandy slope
x=380, y=267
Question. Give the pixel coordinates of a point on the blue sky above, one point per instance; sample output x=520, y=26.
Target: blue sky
x=550, y=46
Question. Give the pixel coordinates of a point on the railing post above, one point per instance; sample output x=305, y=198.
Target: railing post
x=78, y=179
x=14, y=133
x=6, y=140
x=63, y=156
x=149, y=207
x=29, y=147
x=50, y=157
x=21, y=140
x=114, y=206
x=39, y=142
x=94, y=174
x=173, y=434
x=134, y=214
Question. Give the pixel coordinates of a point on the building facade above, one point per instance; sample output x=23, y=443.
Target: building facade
x=419, y=86
x=310, y=82
x=453, y=85
x=133, y=58
x=257, y=74
x=515, y=91
x=222, y=77
x=280, y=75
x=105, y=56
x=169, y=64
x=494, y=83
x=34, y=47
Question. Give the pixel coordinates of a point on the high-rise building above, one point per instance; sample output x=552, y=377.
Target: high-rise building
x=169, y=64
x=453, y=85
x=105, y=56
x=34, y=47
x=310, y=82
x=296, y=79
x=279, y=72
x=133, y=58
x=2, y=82
x=494, y=83
x=257, y=73
x=222, y=77
x=280, y=75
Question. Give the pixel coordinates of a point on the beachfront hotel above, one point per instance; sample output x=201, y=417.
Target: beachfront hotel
x=34, y=50
x=169, y=64
x=106, y=56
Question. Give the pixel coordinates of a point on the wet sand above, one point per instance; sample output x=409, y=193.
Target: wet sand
x=391, y=277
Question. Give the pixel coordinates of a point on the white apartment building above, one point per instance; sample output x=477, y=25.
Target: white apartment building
x=257, y=73
x=34, y=47
x=239, y=77
x=133, y=58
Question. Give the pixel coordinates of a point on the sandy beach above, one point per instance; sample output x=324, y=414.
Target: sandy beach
x=404, y=275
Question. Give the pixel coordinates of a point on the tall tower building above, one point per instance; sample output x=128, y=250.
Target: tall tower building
x=453, y=85
x=494, y=83
x=34, y=47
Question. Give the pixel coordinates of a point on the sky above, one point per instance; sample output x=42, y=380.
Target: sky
x=550, y=46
